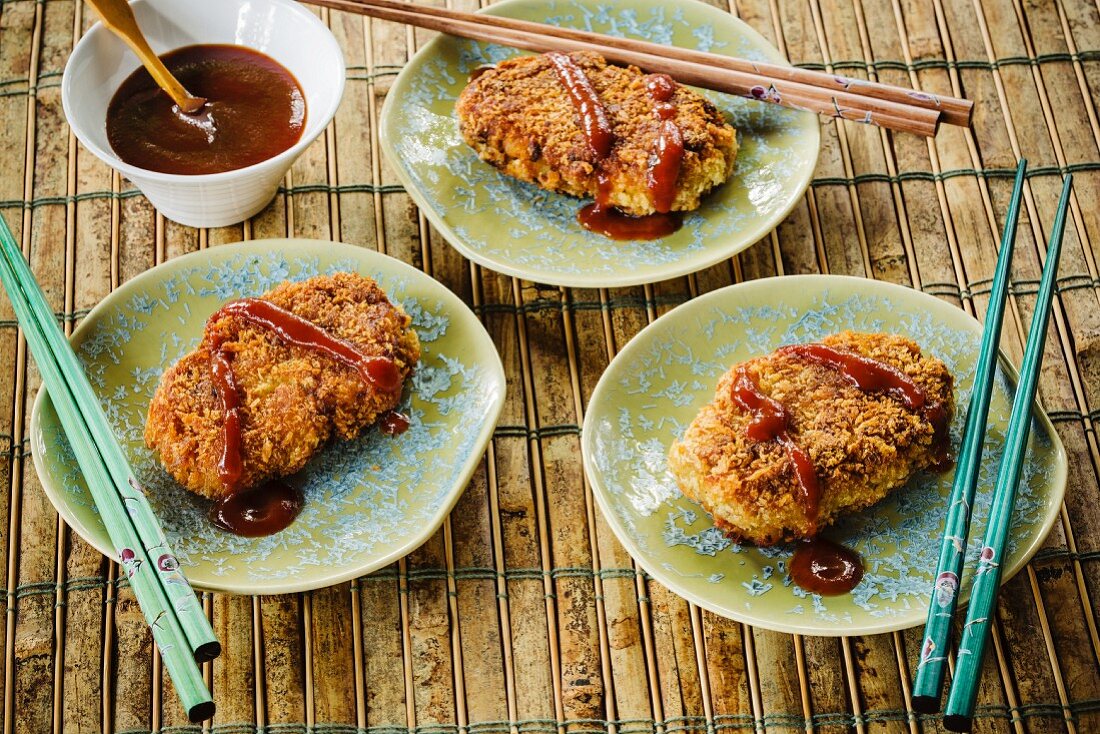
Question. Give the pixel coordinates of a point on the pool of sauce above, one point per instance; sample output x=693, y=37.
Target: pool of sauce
x=771, y=422
x=271, y=507
x=613, y=224
x=600, y=217
x=823, y=567
x=871, y=375
x=603, y=219
x=260, y=511
x=393, y=423
x=255, y=110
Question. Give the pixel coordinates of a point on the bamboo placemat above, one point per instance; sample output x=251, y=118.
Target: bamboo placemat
x=523, y=614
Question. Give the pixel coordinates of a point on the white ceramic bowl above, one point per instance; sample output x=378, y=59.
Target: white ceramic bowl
x=282, y=29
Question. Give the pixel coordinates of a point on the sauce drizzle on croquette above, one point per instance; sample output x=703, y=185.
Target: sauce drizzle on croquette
x=597, y=129
x=664, y=165
x=291, y=401
x=865, y=444
x=521, y=118
x=870, y=375
x=294, y=330
x=770, y=423
x=225, y=384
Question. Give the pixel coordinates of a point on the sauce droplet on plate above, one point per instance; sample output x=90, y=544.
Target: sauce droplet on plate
x=393, y=423
x=823, y=567
x=601, y=218
x=260, y=511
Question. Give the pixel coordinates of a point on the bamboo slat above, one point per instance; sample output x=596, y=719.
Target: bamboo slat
x=524, y=614
x=43, y=242
x=1058, y=675
x=84, y=595
x=15, y=31
x=524, y=623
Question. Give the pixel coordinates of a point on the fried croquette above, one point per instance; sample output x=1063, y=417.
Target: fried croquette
x=862, y=444
x=292, y=398
x=519, y=118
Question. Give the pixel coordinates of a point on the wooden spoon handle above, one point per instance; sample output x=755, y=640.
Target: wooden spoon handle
x=118, y=17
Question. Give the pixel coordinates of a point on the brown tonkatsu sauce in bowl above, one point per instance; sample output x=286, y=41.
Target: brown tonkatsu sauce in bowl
x=272, y=74
x=254, y=110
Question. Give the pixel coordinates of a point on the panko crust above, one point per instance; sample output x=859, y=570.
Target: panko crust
x=863, y=445
x=520, y=119
x=292, y=399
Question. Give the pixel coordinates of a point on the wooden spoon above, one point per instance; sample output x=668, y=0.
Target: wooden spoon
x=119, y=18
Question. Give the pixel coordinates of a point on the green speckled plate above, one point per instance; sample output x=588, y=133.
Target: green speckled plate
x=519, y=229
x=655, y=386
x=368, y=501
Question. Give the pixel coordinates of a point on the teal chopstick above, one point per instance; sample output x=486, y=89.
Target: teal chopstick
x=155, y=605
x=932, y=667
x=200, y=637
x=958, y=715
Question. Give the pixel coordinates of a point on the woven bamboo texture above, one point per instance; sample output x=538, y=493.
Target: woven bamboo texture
x=523, y=615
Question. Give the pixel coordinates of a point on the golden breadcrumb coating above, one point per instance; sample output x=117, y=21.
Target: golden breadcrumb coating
x=863, y=445
x=519, y=117
x=292, y=399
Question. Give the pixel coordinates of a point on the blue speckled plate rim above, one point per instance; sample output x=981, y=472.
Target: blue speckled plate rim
x=692, y=264
x=453, y=303
x=917, y=616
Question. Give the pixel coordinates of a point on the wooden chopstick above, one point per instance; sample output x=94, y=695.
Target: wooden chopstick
x=911, y=116
x=932, y=665
x=959, y=712
x=175, y=618
x=954, y=111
